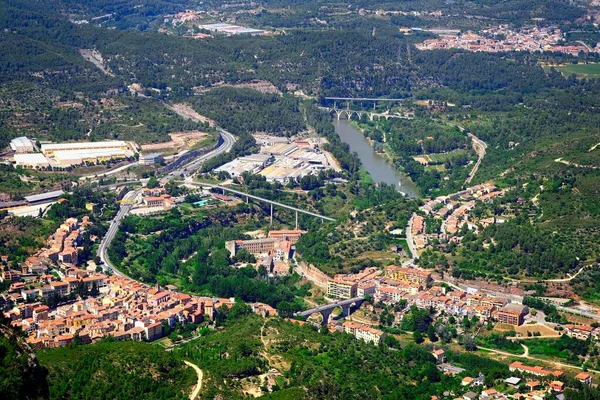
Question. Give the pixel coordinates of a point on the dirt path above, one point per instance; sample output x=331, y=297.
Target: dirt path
x=200, y=375
x=95, y=58
x=187, y=112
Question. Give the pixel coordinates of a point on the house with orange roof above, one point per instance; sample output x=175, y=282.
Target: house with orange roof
x=584, y=377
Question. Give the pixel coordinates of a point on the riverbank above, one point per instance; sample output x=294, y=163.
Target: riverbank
x=378, y=168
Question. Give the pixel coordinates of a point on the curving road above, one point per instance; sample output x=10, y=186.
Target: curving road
x=187, y=169
x=129, y=199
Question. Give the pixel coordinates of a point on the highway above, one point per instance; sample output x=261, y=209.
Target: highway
x=129, y=199
x=187, y=169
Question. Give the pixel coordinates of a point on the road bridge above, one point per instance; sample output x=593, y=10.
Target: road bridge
x=375, y=99
x=271, y=202
x=348, y=307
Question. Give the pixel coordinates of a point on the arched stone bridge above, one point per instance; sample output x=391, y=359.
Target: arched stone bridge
x=348, y=307
x=340, y=112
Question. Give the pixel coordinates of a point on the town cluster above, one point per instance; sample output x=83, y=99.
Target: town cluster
x=453, y=210
x=61, y=247
x=281, y=160
x=54, y=301
x=122, y=308
x=538, y=383
x=502, y=39
x=413, y=285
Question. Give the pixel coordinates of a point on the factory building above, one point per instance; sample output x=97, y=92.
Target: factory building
x=22, y=145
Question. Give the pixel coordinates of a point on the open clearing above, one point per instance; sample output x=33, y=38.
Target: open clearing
x=582, y=70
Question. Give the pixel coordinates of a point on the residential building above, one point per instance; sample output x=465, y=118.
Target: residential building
x=364, y=332
x=584, y=377
x=411, y=275
x=512, y=314
x=341, y=289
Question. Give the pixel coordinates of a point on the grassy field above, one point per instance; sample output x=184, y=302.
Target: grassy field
x=583, y=70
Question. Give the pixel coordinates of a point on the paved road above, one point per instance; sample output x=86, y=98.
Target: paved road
x=479, y=146
x=188, y=169
x=129, y=199
x=112, y=171
x=126, y=205
x=528, y=357
x=409, y=238
x=200, y=375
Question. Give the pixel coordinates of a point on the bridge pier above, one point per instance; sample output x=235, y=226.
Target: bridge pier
x=326, y=314
x=339, y=114
x=296, y=220
x=271, y=223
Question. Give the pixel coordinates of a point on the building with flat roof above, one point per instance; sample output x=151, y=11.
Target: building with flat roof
x=411, y=275
x=149, y=159
x=34, y=160
x=67, y=154
x=83, y=146
x=232, y=29
x=48, y=196
x=512, y=314
x=22, y=145
x=341, y=289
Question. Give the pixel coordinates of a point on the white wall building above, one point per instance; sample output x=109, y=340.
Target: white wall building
x=22, y=145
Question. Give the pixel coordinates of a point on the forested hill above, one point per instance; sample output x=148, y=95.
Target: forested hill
x=116, y=370
x=21, y=376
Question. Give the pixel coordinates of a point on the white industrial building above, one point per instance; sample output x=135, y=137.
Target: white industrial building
x=34, y=160
x=232, y=29
x=253, y=163
x=149, y=159
x=67, y=154
x=22, y=145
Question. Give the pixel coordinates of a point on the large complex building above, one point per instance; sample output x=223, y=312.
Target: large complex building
x=69, y=154
x=280, y=249
x=292, y=235
x=230, y=30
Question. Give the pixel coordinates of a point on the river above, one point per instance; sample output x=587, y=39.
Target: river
x=375, y=165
